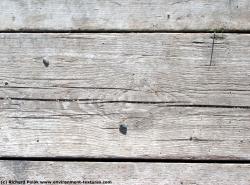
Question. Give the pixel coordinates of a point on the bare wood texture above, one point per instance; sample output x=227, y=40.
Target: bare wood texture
x=69, y=94
x=127, y=173
x=169, y=15
x=165, y=68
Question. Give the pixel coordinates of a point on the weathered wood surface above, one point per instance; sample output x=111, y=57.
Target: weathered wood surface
x=51, y=129
x=127, y=173
x=124, y=15
x=160, y=86
x=154, y=68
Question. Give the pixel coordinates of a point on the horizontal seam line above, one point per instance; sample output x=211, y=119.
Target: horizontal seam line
x=124, y=160
x=124, y=31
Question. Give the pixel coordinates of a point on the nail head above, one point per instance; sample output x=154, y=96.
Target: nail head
x=123, y=129
x=46, y=63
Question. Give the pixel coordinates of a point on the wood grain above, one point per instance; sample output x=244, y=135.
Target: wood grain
x=127, y=173
x=125, y=95
x=140, y=15
x=143, y=68
x=76, y=129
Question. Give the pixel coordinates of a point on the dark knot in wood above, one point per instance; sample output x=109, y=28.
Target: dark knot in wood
x=46, y=63
x=123, y=129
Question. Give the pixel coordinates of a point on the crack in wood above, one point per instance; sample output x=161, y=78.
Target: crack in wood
x=194, y=139
x=68, y=87
x=32, y=117
x=212, y=51
x=47, y=99
x=160, y=103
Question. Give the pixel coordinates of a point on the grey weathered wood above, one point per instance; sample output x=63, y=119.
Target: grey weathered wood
x=67, y=95
x=127, y=173
x=51, y=129
x=124, y=15
x=170, y=68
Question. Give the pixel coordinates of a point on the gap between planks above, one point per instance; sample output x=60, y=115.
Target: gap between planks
x=127, y=160
x=125, y=31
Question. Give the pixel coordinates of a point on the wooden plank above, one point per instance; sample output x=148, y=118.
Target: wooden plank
x=126, y=173
x=165, y=68
x=160, y=87
x=172, y=15
x=71, y=129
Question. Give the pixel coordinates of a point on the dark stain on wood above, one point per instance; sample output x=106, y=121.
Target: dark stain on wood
x=46, y=63
x=123, y=129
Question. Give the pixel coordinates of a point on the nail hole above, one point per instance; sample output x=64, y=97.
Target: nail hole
x=46, y=63
x=123, y=129
x=6, y=83
x=37, y=140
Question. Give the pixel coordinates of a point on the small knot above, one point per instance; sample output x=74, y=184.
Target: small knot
x=123, y=129
x=46, y=63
